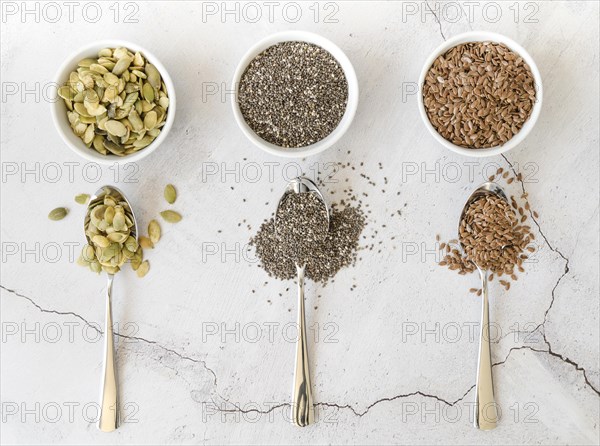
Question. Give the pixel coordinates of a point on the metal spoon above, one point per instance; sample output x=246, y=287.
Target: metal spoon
x=486, y=415
x=108, y=420
x=302, y=403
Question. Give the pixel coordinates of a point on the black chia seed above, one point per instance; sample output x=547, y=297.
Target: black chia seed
x=326, y=256
x=301, y=225
x=293, y=94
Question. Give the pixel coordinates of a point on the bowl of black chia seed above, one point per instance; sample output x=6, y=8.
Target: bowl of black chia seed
x=295, y=94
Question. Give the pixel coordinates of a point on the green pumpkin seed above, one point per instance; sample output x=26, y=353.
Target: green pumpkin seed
x=82, y=198
x=150, y=120
x=58, y=214
x=118, y=237
x=131, y=244
x=145, y=242
x=86, y=62
x=137, y=259
x=110, y=269
x=119, y=222
x=89, y=134
x=145, y=106
x=148, y=92
x=99, y=145
x=101, y=241
x=115, y=128
x=121, y=65
x=111, y=79
x=138, y=59
x=109, y=214
x=141, y=143
x=153, y=76
x=120, y=52
x=143, y=269
x=109, y=252
x=154, y=231
x=170, y=193
x=81, y=109
x=98, y=69
x=127, y=254
x=113, y=148
x=95, y=266
x=171, y=216
x=66, y=92
x=164, y=102
x=136, y=123
x=88, y=253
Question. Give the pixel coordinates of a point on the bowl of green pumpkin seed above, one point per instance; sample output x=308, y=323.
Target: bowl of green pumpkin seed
x=115, y=102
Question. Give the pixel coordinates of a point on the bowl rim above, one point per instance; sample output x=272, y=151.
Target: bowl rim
x=58, y=106
x=483, y=36
x=351, y=104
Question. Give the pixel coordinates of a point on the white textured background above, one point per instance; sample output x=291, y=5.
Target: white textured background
x=374, y=380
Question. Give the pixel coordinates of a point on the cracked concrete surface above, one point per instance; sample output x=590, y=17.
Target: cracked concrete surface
x=393, y=360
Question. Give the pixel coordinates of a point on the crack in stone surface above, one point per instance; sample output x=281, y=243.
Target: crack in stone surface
x=542, y=325
x=437, y=19
x=396, y=397
x=552, y=248
x=238, y=409
x=554, y=354
x=116, y=333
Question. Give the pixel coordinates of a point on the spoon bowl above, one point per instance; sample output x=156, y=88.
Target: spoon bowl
x=302, y=185
x=108, y=419
x=99, y=196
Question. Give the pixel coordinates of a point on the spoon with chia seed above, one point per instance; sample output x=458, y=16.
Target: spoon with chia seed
x=486, y=415
x=108, y=419
x=301, y=221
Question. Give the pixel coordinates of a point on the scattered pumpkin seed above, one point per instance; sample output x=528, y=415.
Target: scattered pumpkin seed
x=154, y=231
x=143, y=269
x=170, y=193
x=171, y=216
x=58, y=214
x=82, y=198
x=145, y=242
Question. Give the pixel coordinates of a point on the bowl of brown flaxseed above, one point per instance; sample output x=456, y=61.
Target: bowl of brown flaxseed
x=480, y=94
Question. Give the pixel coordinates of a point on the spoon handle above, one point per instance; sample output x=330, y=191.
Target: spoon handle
x=302, y=402
x=485, y=406
x=109, y=409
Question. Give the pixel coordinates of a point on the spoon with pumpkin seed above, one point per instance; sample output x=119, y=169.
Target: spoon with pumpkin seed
x=111, y=231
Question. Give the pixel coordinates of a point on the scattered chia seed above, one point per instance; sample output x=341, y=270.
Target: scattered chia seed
x=293, y=94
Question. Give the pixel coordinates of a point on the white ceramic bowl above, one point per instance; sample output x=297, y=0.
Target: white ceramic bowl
x=351, y=105
x=59, y=110
x=483, y=36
